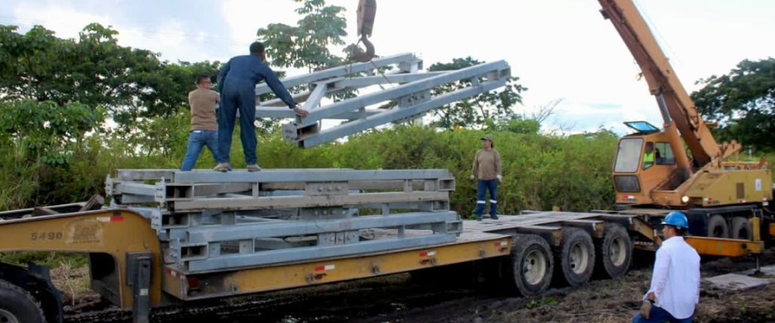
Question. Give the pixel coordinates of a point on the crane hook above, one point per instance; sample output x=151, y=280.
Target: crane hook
x=367, y=10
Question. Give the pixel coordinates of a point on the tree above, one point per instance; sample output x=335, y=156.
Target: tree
x=493, y=106
x=306, y=45
x=94, y=71
x=742, y=102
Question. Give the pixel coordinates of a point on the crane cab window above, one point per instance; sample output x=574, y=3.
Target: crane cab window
x=648, y=156
x=664, y=154
x=628, y=155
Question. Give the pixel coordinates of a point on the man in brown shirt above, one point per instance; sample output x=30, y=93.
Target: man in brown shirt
x=487, y=167
x=204, y=127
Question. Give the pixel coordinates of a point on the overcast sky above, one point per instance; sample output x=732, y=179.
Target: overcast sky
x=560, y=49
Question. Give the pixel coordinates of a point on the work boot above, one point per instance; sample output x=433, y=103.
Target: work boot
x=222, y=167
x=253, y=168
x=493, y=216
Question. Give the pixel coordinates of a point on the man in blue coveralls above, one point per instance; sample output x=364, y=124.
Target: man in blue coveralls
x=237, y=84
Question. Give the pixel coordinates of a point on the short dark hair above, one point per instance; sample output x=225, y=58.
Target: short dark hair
x=257, y=47
x=678, y=231
x=202, y=77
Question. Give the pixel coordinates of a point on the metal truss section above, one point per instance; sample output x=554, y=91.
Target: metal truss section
x=411, y=94
x=212, y=221
x=215, y=248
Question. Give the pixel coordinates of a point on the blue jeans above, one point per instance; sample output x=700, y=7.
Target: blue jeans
x=237, y=96
x=197, y=139
x=659, y=315
x=481, y=190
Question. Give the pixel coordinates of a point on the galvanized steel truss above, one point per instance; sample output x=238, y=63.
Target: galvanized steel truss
x=410, y=92
x=211, y=221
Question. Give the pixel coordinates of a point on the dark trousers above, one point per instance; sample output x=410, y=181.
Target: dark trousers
x=237, y=95
x=659, y=315
x=481, y=191
x=197, y=140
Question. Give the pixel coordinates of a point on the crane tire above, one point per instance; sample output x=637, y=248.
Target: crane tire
x=717, y=227
x=741, y=228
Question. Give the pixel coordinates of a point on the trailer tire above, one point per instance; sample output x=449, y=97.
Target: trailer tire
x=614, y=251
x=717, y=227
x=741, y=228
x=530, y=266
x=576, y=256
x=18, y=306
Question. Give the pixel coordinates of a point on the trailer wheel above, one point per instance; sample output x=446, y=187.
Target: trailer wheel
x=576, y=256
x=530, y=265
x=741, y=228
x=18, y=306
x=614, y=251
x=717, y=227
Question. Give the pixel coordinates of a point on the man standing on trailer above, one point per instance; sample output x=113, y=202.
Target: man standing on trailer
x=237, y=83
x=204, y=128
x=675, y=282
x=487, y=167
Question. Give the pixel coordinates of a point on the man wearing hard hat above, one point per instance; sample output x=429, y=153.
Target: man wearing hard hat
x=675, y=282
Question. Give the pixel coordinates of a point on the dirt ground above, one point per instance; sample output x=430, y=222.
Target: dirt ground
x=400, y=299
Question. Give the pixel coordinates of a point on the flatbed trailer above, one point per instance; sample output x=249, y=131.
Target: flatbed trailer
x=170, y=237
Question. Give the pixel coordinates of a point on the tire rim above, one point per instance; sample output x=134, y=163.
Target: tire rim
x=534, y=267
x=7, y=317
x=618, y=252
x=579, y=258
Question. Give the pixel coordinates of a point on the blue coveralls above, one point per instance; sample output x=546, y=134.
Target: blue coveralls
x=237, y=83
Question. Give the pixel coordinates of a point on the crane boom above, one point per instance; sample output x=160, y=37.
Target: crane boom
x=674, y=101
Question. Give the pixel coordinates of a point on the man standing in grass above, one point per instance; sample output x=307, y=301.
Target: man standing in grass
x=204, y=128
x=487, y=167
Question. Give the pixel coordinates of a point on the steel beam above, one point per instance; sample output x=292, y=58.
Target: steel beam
x=403, y=90
x=290, y=202
x=227, y=262
x=342, y=71
x=392, y=115
x=299, y=228
x=309, y=175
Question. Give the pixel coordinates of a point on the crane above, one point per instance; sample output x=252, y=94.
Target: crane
x=653, y=169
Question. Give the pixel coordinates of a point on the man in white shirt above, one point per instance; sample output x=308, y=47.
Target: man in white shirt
x=675, y=282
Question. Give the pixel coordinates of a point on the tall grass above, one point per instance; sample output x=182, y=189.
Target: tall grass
x=539, y=171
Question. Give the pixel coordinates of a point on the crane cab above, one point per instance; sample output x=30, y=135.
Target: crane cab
x=644, y=162
x=646, y=172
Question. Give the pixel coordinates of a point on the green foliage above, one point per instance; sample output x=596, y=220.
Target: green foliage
x=539, y=171
x=495, y=106
x=50, y=259
x=543, y=301
x=743, y=102
x=94, y=71
x=43, y=131
x=306, y=45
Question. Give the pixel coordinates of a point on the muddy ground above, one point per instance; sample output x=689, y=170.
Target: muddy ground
x=401, y=299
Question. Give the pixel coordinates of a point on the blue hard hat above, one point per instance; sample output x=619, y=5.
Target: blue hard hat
x=676, y=219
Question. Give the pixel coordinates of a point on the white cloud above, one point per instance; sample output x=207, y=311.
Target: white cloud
x=62, y=17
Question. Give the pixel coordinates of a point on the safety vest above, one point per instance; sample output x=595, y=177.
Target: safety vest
x=648, y=160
